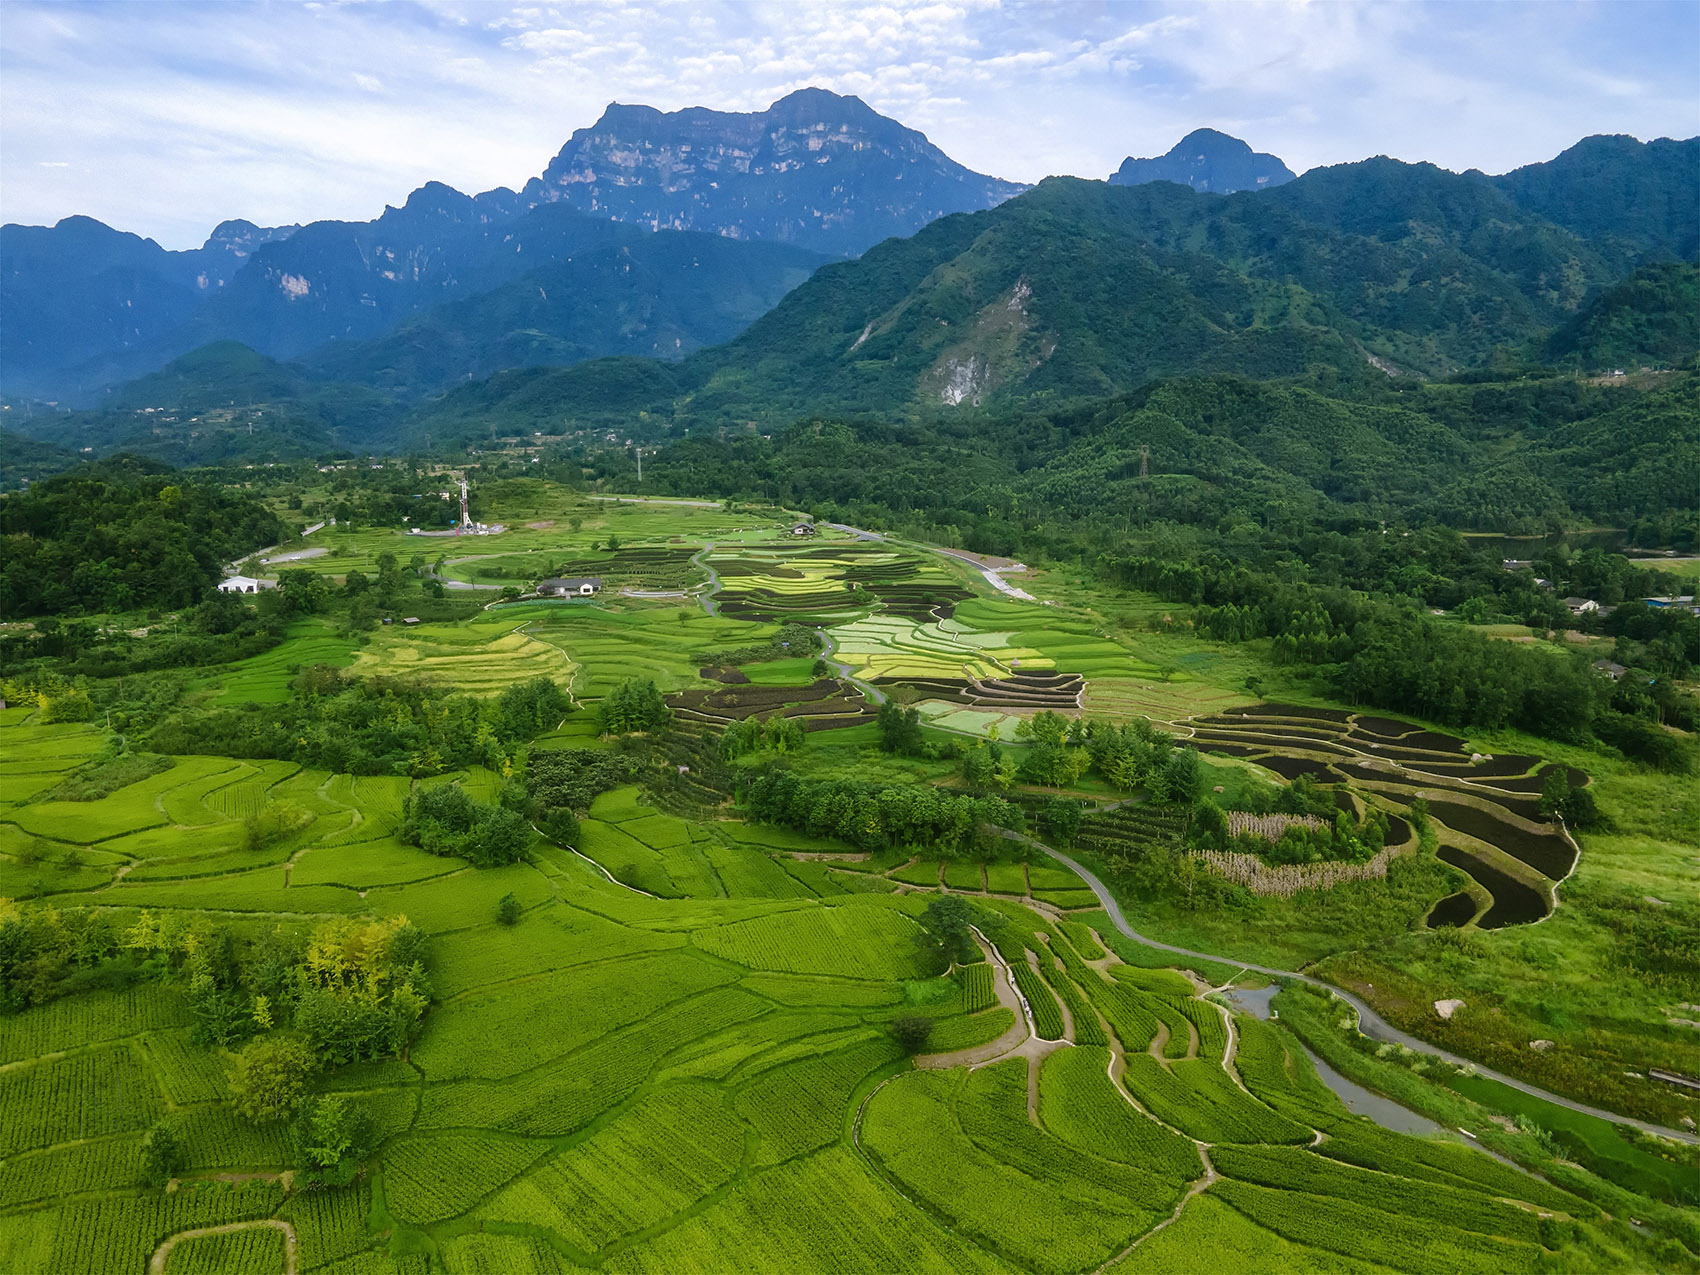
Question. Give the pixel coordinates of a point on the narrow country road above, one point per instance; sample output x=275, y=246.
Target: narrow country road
x=700, y=559
x=1370, y=1023
x=828, y=646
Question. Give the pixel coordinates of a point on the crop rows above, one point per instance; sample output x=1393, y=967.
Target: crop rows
x=862, y=941
x=1047, y=1016
x=1087, y=1029
x=85, y=1096
x=186, y=1072
x=432, y=1177
x=554, y=1101
x=564, y=1014
x=1368, y=1234
x=655, y=1160
x=1198, y=1098
x=253, y=1250
x=1212, y=1031
x=1053, y=1224
x=808, y=1215
x=1080, y=1104
x=119, y=1233
x=90, y=1018
x=801, y=1106
x=964, y=1031
x=329, y=1223
x=102, y=1165
x=217, y=1138
x=1297, y=1169
x=978, y=989
x=1084, y=940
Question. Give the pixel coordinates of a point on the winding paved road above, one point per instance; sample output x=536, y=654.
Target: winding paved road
x=1370, y=1023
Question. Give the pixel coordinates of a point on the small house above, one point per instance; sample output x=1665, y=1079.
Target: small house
x=1610, y=668
x=1581, y=606
x=239, y=584
x=570, y=587
x=803, y=529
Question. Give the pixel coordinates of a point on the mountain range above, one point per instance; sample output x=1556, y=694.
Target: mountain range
x=815, y=176
x=710, y=268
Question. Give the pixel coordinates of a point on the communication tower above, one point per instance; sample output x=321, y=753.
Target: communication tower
x=465, y=517
x=1145, y=462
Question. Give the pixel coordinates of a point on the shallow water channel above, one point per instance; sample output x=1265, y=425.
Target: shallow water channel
x=1364, y=1102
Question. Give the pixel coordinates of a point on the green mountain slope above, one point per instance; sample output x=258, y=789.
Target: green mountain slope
x=1652, y=319
x=1083, y=289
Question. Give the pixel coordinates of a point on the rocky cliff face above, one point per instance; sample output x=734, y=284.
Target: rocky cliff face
x=815, y=169
x=1208, y=161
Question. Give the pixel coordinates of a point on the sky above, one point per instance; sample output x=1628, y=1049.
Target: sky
x=165, y=117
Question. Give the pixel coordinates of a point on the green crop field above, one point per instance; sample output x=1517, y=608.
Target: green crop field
x=667, y=1039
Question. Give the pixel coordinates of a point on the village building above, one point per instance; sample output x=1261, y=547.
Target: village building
x=1581, y=606
x=570, y=587
x=803, y=529
x=242, y=584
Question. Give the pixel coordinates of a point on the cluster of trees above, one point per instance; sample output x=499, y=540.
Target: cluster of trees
x=636, y=704
x=875, y=818
x=776, y=733
x=1062, y=749
x=373, y=726
x=789, y=640
x=291, y=1003
x=560, y=784
x=121, y=534
x=444, y=820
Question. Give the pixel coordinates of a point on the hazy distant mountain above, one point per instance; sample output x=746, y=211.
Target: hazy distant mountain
x=1208, y=161
x=86, y=306
x=824, y=172
x=81, y=289
x=657, y=295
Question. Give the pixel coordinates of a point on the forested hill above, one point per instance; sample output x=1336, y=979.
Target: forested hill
x=1358, y=273
x=1519, y=455
x=122, y=533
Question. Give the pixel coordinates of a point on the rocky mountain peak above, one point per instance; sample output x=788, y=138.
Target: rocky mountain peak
x=816, y=169
x=1207, y=160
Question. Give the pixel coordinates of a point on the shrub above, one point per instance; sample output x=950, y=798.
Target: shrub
x=508, y=909
x=162, y=1155
x=271, y=1077
x=912, y=1032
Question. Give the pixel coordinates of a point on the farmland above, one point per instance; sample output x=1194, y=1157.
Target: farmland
x=671, y=1040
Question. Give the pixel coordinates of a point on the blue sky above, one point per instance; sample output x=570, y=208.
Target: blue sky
x=166, y=116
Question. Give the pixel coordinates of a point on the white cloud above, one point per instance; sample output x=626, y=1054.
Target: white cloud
x=165, y=119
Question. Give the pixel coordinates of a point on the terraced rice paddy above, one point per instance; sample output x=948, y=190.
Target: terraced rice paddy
x=1496, y=840
x=481, y=656
x=697, y=1077
x=823, y=584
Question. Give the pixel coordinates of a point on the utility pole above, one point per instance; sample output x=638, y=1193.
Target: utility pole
x=640, y=466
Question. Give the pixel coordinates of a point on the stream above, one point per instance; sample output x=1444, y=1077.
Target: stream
x=1364, y=1102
